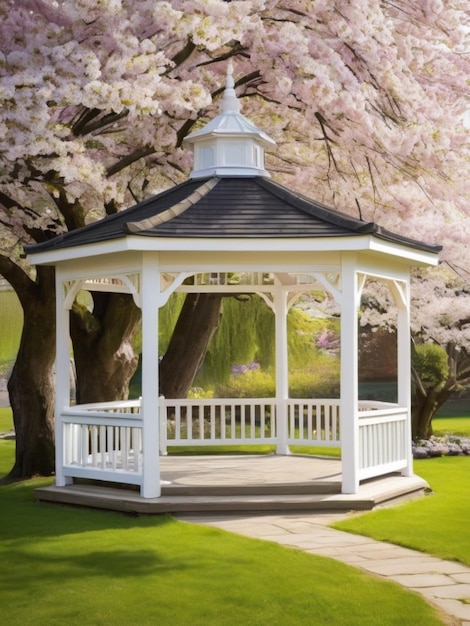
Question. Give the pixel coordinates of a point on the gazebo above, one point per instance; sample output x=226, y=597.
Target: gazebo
x=230, y=228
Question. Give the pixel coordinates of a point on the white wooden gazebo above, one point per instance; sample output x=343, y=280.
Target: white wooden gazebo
x=230, y=228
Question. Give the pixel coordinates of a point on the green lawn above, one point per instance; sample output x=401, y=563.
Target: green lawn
x=258, y=449
x=436, y=524
x=451, y=426
x=64, y=565
x=6, y=420
x=11, y=317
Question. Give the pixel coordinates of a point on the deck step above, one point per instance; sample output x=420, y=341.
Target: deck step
x=127, y=501
x=277, y=489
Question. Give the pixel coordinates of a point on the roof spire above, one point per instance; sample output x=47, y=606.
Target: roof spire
x=230, y=102
x=229, y=145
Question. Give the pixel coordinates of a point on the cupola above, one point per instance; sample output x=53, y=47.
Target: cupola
x=229, y=145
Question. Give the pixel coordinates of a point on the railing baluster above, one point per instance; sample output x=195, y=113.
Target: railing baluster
x=84, y=446
x=178, y=422
x=94, y=446
x=317, y=421
x=189, y=422
x=136, y=448
x=222, y=421
x=111, y=446
x=103, y=446
x=212, y=421
x=201, y=421
x=233, y=422
x=124, y=435
x=291, y=421
x=301, y=435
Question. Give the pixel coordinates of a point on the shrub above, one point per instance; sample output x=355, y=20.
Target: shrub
x=431, y=362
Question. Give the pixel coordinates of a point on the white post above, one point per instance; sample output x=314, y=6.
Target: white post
x=150, y=437
x=349, y=374
x=62, y=375
x=404, y=368
x=282, y=369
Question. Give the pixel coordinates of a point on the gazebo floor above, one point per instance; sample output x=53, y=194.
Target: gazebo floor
x=234, y=484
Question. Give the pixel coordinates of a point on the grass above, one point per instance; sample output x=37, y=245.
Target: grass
x=258, y=449
x=6, y=419
x=451, y=426
x=11, y=317
x=436, y=524
x=63, y=565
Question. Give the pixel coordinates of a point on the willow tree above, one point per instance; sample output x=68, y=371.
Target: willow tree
x=364, y=99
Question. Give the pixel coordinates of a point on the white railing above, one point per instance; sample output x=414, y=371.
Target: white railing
x=209, y=422
x=384, y=441
x=103, y=441
x=313, y=422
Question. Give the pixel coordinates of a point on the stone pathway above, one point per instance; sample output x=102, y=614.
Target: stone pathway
x=443, y=583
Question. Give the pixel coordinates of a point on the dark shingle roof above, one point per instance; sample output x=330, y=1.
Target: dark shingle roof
x=229, y=207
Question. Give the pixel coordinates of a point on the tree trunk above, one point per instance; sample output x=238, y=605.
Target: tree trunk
x=427, y=400
x=31, y=384
x=196, y=324
x=105, y=360
x=424, y=408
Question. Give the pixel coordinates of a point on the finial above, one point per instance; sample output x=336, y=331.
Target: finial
x=230, y=103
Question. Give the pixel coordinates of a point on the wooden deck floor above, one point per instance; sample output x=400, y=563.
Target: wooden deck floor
x=231, y=484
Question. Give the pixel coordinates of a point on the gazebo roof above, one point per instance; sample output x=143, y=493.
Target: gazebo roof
x=226, y=207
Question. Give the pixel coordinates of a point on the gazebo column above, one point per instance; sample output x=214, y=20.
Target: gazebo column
x=349, y=415
x=62, y=374
x=282, y=369
x=150, y=436
x=402, y=299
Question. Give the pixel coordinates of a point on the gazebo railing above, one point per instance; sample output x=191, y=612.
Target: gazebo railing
x=384, y=441
x=103, y=441
x=218, y=421
x=248, y=421
x=313, y=422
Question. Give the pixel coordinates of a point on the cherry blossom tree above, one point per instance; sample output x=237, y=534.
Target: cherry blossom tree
x=365, y=100
x=440, y=325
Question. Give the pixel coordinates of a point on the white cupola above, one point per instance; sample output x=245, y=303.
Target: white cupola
x=229, y=145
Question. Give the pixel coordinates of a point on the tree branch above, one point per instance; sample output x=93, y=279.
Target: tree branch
x=92, y=120
x=129, y=159
x=183, y=55
x=17, y=277
x=327, y=139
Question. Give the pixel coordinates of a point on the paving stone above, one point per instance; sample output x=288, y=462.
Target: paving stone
x=453, y=607
x=353, y=559
x=416, y=581
x=394, y=567
x=456, y=592
x=462, y=578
